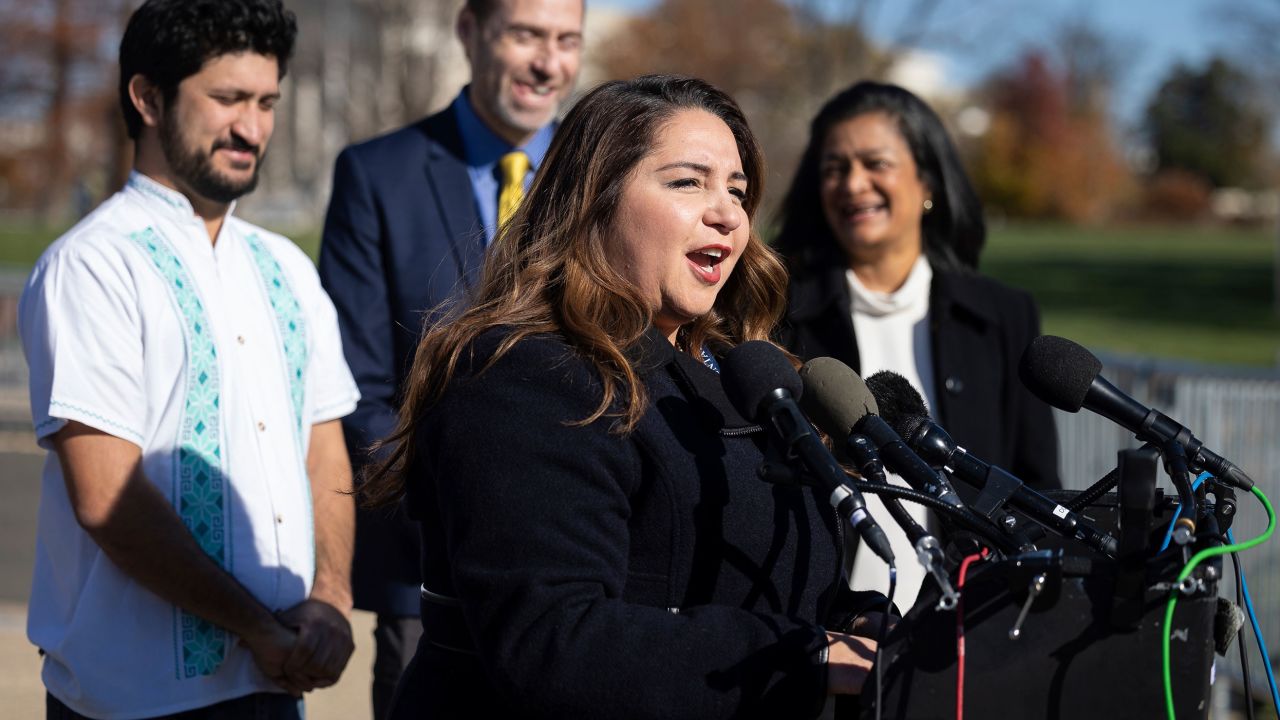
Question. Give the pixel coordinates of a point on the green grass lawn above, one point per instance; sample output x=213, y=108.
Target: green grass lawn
x=21, y=244
x=1194, y=293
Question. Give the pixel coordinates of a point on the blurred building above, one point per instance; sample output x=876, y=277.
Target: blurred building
x=362, y=68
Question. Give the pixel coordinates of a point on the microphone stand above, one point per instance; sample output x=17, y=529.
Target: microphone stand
x=1175, y=460
x=928, y=550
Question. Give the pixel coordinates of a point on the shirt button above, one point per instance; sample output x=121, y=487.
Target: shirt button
x=954, y=385
x=279, y=519
x=240, y=339
x=262, y=426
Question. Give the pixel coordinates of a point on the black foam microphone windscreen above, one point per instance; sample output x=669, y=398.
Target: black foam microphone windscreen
x=762, y=384
x=753, y=370
x=1058, y=371
x=898, y=401
x=1065, y=375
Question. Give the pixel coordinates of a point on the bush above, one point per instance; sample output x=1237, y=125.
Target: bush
x=1177, y=195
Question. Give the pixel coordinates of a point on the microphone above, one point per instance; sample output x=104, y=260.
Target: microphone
x=912, y=421
x=762, y=384
x=867, y=460
x=840, y=403
x=1067, y=376
x=928, y=550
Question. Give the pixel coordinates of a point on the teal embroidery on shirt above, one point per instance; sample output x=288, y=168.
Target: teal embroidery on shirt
x=292, y=329
x=133, y=434
x=289, y=322
x=146, y=187
x=199, y=483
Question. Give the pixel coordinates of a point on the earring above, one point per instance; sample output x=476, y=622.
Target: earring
x=928, y=205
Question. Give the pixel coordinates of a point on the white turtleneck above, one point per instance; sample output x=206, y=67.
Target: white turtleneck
x=893, y=334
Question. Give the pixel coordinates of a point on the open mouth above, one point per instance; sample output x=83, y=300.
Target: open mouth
x=862, y=211
x=536, y=90
x=706, y=261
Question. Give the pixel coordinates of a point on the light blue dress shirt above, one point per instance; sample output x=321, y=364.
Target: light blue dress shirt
x=483, y=149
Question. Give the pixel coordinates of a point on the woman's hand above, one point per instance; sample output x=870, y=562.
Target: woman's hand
x=849, y=660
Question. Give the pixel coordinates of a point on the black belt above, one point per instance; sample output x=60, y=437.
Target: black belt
x=442, y=623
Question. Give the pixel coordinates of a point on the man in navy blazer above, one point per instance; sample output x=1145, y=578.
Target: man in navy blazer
x=408, y=222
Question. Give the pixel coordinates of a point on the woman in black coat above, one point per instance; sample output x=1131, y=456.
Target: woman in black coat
x=881, y=233
x=596, y=540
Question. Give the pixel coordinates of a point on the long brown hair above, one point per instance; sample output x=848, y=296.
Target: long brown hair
x=547, y=272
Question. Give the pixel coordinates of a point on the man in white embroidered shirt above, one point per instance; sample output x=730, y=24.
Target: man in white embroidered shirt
x=194, y=541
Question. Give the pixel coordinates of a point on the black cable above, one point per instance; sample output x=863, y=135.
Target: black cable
x=963, y=516
x=1242, y=641
x=1175, y=458
x=884, y=635
x=867, y=458
x=1087, y=496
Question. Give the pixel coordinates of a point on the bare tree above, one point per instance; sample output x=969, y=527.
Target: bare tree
x=360, y=68
x=57, y=69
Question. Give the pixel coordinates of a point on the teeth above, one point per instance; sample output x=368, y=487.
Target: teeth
x=706, y=268
x=713, y=252
x=541, y=90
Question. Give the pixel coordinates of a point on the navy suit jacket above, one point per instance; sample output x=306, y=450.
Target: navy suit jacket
x=401, y=238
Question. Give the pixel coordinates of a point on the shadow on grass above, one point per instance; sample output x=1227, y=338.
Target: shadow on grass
x=1210, y=293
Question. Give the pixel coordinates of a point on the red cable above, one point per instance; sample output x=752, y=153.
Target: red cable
x=964, y=569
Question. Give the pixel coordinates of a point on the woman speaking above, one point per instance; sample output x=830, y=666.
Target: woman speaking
x=596, y=540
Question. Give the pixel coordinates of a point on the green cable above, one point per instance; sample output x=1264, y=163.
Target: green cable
x=1186, y=571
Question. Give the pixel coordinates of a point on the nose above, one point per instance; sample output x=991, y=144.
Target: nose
x=546, y=60
x=725, y=214
x=858, y=179
x=253, y=124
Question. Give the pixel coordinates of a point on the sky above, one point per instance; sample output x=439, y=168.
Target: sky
x=1152, y=35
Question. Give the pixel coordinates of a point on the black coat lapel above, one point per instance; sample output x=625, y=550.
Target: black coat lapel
x=964, y=349
x=819, y=321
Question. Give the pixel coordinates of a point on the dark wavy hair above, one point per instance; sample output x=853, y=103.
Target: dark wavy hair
x=953, y=232
x=548, y=270
x=482, y=9
x=167, y=41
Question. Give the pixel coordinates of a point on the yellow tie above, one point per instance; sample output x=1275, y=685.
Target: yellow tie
x=514, y=166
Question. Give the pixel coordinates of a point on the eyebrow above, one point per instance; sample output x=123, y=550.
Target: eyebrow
x=543, y=31
x=525, y=27
x=830, y=155
x=242, y=93
x=701, y=169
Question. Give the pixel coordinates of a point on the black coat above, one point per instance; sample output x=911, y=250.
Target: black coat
x=651, y=575
x=979, y=329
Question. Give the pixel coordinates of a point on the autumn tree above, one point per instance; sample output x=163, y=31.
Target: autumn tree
x=777, y=61
x=1205, y=121
x=59, y=72
x=1049, y=151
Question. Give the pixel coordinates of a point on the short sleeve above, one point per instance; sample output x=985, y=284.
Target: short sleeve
x=82, y=335
x=330, y=385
